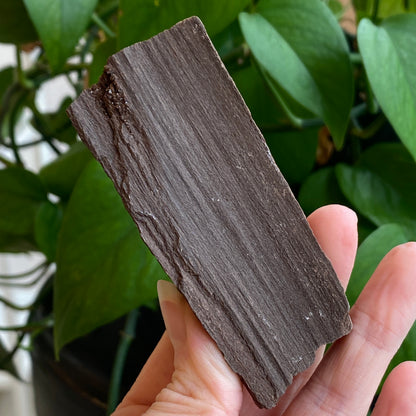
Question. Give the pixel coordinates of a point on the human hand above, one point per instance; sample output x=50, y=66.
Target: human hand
x=187, y=374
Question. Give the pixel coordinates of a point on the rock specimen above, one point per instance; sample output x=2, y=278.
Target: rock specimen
x=173, y=133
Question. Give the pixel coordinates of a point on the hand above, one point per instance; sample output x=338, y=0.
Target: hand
x=187, y=375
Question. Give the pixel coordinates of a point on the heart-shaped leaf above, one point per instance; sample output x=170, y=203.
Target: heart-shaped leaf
x=382, y=185
x=15, y=24
x=376, y=199
x=61, y=174
x=320, y=188
x=21, y=193
x=47, y=224
x=301, y=46
x=369, y=255
x=388, y=53
x=60, y=24
x=100, y=56
x=294, y=152
x=142, y=19
x=262, y=104
x=104, y=269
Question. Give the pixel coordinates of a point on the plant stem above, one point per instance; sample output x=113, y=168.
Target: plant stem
x=73, y=67
x=12, y=125
x=14, y=146
x=52, y=145
x=297, y=122
x=19, y=64
x=21, y=77
x=6, y=162
x=356, y=58
x=14, y=306
x=42, y=268
x=358, y=110
x=375, y=11
x=24, y=274
x=31, y=326
x=127, y=337
x=102, y=25
x=26, y=284
x=369, y=131
x=23, y=145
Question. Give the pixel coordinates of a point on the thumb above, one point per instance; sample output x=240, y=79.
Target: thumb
x=202, y=382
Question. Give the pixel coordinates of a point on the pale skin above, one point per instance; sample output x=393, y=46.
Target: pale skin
x=187, y=374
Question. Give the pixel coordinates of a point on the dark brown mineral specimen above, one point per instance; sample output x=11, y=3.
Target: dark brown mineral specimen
x=173, y=133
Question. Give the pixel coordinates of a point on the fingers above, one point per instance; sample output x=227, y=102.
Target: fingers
x=156, y=374
x=336, y=231
x=335, y=228
x=202, y=382
x=398, y=396
x=347, y=378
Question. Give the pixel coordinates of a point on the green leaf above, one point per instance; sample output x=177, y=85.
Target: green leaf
x=61, y=174
x=296, y=112
x=100, y=56
x=294, y=152
x=263, y=106
x=228, y=40
x=376, y=199
x=309, y=62
x=389, y=8
x=385, y=181
x=394, y=165
x=15, y=24
x=14, y=99
x=319, y=189
x=60, y=24
x=336, y=7
x=142, y=19
x=47, y=225
x=370, y=253
x=21, y=193
x=106, y=8
x=389, y=60
x=104, y=269
x=386, y=8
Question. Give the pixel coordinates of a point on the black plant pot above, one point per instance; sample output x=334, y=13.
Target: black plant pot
x=78, y=384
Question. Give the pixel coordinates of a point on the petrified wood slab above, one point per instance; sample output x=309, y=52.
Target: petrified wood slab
x=170, y=128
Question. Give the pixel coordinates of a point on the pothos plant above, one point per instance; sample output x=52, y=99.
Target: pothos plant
x=338, y=111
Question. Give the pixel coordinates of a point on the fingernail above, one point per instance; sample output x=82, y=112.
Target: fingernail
x=167, y=291
x=171, y=304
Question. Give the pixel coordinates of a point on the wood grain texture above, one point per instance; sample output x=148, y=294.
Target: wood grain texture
x=170, y=128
